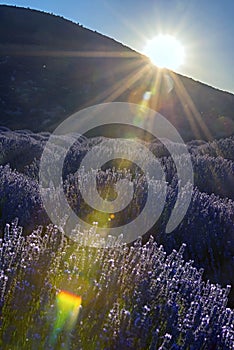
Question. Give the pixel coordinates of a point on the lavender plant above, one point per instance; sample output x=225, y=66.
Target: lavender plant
x=132, y=297
x=144, y=296
x=207, y=228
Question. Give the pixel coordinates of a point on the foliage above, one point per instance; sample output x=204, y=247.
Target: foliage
x=132, y=297
x=143, y=296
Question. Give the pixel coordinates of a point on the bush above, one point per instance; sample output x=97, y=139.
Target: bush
x=132, y=297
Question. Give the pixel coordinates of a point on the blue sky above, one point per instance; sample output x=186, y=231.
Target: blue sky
x=205, y=27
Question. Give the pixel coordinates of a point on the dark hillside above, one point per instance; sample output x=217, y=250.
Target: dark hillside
x=51, y=67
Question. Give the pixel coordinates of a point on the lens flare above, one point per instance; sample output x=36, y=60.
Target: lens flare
x=68, y=306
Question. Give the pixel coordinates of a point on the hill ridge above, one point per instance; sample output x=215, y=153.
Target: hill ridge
x=63, y=67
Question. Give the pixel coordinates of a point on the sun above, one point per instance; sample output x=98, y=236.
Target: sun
x=165, y=51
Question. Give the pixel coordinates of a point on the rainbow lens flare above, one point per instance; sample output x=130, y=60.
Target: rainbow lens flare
x=68, y=306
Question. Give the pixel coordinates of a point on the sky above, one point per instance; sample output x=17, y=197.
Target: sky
x=204, y=27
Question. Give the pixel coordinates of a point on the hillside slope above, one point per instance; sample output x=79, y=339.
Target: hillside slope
x=51, y=67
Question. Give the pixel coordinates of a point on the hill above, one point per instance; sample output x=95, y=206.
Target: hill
x=51, y=67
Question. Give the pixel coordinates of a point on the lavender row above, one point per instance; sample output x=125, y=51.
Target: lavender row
x=212, y=162
x=132, y=297
x=207, y=228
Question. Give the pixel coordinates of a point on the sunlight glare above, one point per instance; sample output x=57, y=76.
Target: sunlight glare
x=165, y=51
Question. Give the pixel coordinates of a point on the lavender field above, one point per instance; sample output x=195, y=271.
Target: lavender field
x=164, y=291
